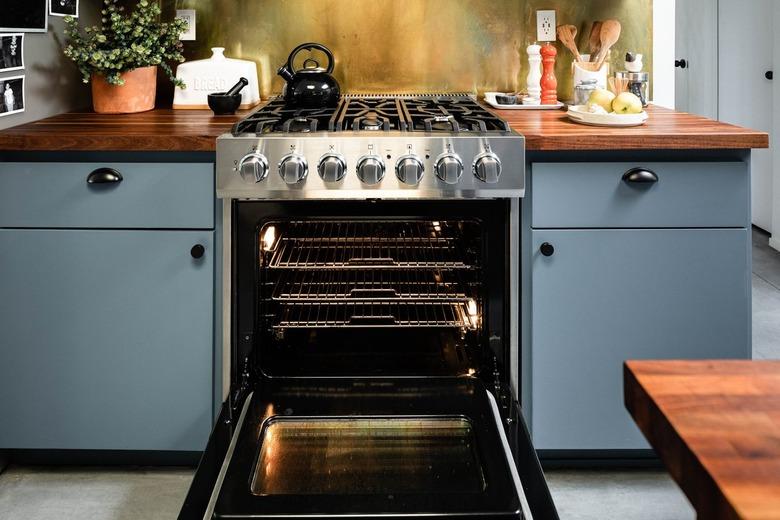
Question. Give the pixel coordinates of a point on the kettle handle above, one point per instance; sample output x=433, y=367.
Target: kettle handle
x=310, y=46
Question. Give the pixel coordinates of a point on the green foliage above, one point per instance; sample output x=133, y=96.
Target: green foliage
x=124, y=42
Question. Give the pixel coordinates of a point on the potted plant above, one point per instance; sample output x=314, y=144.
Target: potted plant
x=120, y=57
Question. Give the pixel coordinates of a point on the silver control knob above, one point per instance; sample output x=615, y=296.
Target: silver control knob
x=487, y=167
x=409, y=169
x=370, y=169
x=293, y=168
x=332, y=167
x=253, y=168
x=449, y=167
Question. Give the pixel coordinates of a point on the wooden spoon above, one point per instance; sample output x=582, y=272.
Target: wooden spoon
x=566, y=34
x=595, y=40
x=610, y=34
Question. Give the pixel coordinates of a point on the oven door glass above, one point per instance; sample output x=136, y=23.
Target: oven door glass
x=371, y=449
x=367, y=455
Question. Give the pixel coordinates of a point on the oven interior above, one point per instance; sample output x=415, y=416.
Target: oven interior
x=371, y=298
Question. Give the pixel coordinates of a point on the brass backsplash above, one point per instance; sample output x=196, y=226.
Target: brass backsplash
x=409, y=45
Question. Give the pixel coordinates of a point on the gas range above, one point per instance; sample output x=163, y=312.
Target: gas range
x=405, y=146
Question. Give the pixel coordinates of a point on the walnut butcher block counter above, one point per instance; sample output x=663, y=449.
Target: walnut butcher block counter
x=196, y=131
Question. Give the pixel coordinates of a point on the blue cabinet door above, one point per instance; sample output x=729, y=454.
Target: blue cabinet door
x=605, y=296
x=105, y=339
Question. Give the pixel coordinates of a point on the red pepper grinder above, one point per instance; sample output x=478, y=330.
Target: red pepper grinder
x=549, y=83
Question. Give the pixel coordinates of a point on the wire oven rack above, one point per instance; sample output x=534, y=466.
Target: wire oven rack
x=373, y=285
x=372, y=314
x=367, y=245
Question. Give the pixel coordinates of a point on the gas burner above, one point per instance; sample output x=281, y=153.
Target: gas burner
x=371, y=114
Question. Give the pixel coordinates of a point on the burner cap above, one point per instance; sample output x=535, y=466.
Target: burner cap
x=371, y=122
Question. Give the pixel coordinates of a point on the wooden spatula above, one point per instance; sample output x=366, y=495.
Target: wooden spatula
x=610, y=34
x=567, y=33
x=595, y=39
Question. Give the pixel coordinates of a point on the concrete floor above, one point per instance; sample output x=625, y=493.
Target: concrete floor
x=43, y=493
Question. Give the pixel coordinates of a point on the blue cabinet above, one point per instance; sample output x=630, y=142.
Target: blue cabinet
x=106, y=339
x=605, y=296
x=636, y=271
x=106, y=317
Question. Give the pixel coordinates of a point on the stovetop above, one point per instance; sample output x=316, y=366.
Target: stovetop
x=405, y=146
x=449, y=113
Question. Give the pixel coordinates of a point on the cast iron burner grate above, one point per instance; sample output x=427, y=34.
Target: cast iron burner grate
x=430, y=114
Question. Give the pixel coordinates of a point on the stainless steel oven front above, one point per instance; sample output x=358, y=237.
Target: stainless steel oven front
x=371, y=364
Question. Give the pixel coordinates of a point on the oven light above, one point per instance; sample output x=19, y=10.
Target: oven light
x=471, y=372
x=471, y=310
x=269, y=238
x=436, y=225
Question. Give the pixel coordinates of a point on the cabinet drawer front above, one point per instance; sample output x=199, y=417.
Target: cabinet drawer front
x=605, y=296
x=106, y=339
x=57, y=195
x=594, y=195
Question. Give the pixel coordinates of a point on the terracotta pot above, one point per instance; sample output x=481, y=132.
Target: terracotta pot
x=136, y=95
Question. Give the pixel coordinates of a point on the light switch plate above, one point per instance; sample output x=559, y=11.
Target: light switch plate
x=545, y=26
x=189, y=16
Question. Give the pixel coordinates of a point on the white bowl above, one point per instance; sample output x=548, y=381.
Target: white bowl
x=580, y=114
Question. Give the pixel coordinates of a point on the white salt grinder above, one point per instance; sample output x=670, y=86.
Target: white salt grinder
x=534, y=96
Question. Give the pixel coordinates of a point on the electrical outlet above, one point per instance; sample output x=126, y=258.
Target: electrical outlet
x=545, y=26
x=189, y=16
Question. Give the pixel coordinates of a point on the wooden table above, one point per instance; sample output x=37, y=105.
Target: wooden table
x=716, y=427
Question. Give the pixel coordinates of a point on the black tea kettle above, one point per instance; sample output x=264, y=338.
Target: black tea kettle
x=312, y=86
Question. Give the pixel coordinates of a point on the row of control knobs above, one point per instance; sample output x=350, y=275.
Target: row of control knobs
x=293, y=168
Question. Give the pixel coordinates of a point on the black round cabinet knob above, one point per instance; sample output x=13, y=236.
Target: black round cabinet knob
x=769, y=74
x=197, y=251
x=547, y=249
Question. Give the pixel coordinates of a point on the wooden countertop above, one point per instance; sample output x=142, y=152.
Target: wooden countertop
x=196, y=130
x=716, y=426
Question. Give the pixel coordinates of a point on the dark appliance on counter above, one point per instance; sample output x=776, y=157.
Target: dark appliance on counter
x=310, y=86
x=371, y=303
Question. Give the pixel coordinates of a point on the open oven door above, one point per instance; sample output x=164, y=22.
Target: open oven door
x=332, y=448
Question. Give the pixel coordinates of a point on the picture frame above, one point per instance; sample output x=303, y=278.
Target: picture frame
x=11, y=51
x=15, y=102
x=27, y=16
x=64, y=8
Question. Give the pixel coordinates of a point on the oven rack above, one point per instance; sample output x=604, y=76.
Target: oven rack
x=368, y=245
x=369, y=285
x=372, y=314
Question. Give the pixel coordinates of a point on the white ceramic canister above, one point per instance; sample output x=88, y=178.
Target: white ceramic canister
x=215, y=74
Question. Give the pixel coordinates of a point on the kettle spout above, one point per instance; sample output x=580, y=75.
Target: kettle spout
x=285, y=72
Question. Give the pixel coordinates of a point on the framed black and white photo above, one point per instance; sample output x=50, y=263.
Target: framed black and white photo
x=64, y=8
x=24, y=15
x=11, y=95
x=11, y=52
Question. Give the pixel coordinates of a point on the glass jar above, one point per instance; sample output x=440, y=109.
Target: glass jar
x=638, y=84
x=583, y=90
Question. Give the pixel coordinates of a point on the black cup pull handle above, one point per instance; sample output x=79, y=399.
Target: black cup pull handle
x=770, y=75
x=197, y=251
x=640, y=176
x=104, y=176
x=547, y=249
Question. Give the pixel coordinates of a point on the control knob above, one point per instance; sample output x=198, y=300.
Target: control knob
x=332, y=167
x=487, y=167
x=449, y=167
x=253, y=168
x=293, y=168
x=409, y=169
x=370, y=169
